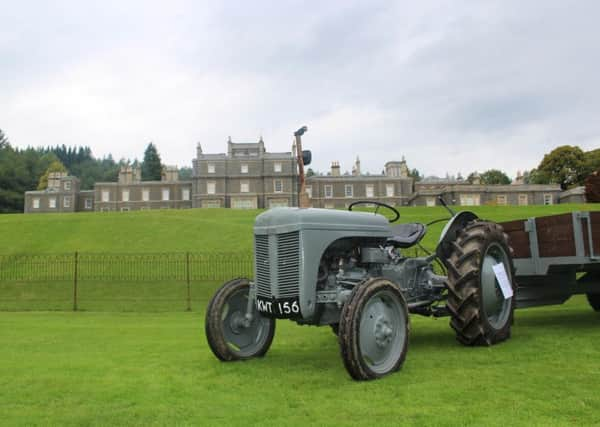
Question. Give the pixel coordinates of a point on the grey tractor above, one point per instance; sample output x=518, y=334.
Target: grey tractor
x=349, y=270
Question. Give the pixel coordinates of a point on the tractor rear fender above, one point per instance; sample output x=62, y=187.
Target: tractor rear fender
x=449, y=233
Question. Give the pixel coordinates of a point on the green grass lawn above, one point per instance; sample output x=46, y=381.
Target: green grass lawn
x=156, y=369
x=134, y=357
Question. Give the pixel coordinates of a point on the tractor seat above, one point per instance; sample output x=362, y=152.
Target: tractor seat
x=406, y=235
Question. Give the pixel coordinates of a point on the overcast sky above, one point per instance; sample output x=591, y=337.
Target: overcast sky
x=452, y=86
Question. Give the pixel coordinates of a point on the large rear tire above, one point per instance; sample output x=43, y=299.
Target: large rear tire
x=229, y=335
x=480, y=315
x=373, y=331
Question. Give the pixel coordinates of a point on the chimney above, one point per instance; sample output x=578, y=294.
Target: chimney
x=356, y=168
x=125, y=175
x=335, y=168
x=54, y=180
x=170, y=174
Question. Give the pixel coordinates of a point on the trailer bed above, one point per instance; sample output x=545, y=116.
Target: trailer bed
x=550, y=255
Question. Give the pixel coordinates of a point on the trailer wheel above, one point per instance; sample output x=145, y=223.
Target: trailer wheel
x=591, y=279
x=594, y=300
x=479, y=313
x=228, y=335
x=373, y=330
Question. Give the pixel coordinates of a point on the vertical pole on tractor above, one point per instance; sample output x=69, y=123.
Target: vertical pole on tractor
x=303, y=201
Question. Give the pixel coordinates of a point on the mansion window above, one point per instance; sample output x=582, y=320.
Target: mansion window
x=211, y=187
x=244, y=187
x=185, y=194
x=469, y=200
x=244, y=168
x=328, y=191
x=278, y=203
x=523, y=200
x=277, y=167
x=67, y=201
x=125, y=195
x=309, y=191
x=211, y=203
x=145, y=195
x=243, y=203
x=211, y=168
x=389, y=190
x=348, y=190
x=35, y=203
x=68, y=185
x=548, y=199
x=88, y=203
x=165, y=194
x=105, y=195
x=52, y=202
x=370, y=190
x=501, y=199
x=278, y=186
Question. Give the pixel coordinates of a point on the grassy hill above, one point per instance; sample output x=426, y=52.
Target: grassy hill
x=198, y=230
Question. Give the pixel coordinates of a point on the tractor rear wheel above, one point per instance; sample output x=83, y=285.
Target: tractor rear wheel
x=480, y=314
x=229, y=334
x=373, y=330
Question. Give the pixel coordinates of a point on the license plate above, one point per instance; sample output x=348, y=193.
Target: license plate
x=283, y=308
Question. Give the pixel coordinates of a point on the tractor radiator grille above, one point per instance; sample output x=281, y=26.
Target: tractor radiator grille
x=288, y=264
x=286, y=282
x=261, y=253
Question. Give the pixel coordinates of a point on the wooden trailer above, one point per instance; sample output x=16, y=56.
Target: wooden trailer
x=555, y=257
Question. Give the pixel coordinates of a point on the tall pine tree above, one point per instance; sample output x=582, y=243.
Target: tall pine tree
x=151, y=166
x=3, y=140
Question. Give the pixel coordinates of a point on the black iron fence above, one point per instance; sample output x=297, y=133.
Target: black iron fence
x=78, y=268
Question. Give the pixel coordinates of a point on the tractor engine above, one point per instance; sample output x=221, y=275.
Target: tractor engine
x=307, y=261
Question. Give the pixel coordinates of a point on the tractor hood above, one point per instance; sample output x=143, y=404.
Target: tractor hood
x=284, y=220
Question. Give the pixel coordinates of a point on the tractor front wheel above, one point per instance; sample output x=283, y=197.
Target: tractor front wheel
x=480, y=314
x=229, y=334
x=373, y=330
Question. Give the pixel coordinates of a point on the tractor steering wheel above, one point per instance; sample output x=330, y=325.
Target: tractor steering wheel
x=379, y=205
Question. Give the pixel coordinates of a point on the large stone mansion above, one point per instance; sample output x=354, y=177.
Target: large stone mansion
x=248, y=176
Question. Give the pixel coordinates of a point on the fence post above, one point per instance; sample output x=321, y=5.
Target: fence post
x=76, y=262
x=187, y=279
